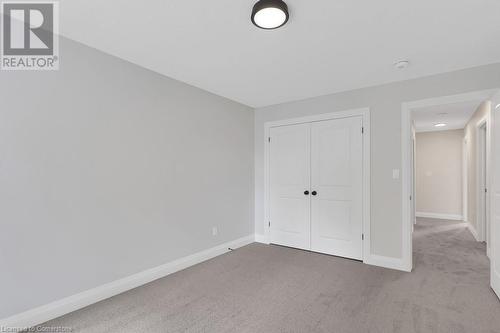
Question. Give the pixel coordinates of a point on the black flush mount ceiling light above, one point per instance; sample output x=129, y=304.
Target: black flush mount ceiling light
x=270, y=14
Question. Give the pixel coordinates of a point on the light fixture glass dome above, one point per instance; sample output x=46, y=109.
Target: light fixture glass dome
x=270, y=14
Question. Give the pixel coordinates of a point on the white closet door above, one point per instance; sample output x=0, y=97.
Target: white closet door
x=495, y=195
x=336, y=178
x=289, y=178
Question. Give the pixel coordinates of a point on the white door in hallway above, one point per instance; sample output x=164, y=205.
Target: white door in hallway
x=289, y=186
x=336, y=187
x=495, y=196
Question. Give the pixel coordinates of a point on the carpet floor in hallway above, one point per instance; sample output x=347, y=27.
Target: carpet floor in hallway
x=267, y=288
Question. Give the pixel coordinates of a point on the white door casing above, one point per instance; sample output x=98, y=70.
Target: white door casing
x=495, y=194
x=482, y=183
x=289, y=178
x=465, y=186
x=413, y=157
x=337, y=187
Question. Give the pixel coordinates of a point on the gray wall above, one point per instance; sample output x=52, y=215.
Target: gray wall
x=107, y=169
x=385, y=104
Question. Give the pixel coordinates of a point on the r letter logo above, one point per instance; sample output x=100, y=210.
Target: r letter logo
x=30, y=39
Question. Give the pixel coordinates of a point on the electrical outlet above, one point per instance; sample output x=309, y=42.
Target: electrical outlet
x=215, y=231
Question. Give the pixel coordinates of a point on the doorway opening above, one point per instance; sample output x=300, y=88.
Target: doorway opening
x=445, y=165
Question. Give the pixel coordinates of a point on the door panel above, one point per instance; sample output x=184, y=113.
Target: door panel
x=336, y=176
x=495, y=195
x=289, y=178
x=338, y=211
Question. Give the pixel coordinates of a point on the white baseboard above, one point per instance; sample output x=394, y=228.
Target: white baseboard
x=69, y=304
x=261, y=239
x=387, y=262
x=440, y=216
x=473, y=231
x=375, y=260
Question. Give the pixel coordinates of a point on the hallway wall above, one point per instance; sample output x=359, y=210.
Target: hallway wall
x=439, y=173
x=471, y=149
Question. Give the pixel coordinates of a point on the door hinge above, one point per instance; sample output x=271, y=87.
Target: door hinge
x=485, y=190
x=269, y=224
x=362, y=130
x=269, y=139
x=410, y=197
x=362, y=236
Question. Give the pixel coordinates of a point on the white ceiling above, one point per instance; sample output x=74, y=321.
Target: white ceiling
x=455, y=116
x=327, y=45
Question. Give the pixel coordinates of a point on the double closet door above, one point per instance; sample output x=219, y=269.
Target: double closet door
x=316, y=186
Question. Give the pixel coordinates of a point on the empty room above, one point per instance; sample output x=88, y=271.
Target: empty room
x=249, y=166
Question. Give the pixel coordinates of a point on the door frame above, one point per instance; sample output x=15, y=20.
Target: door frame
x=365, y=114
x=483, y=143
x=406, y=108
x=465, y=180
x=493, y=194
x=413, y=155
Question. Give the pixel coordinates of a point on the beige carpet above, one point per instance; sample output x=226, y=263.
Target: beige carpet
x=262, y=288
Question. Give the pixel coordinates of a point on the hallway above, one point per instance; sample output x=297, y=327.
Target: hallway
x=454, y=278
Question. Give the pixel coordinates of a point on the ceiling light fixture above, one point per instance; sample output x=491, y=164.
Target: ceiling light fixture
x=270, y=14
x=440, y=125
x=402, y=64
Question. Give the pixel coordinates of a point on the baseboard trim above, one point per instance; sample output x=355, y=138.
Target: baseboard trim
x=261, y=239
x=473, y=231
x=387, y=262
x=440, y=216
x=373, y=259
x=72, y=303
